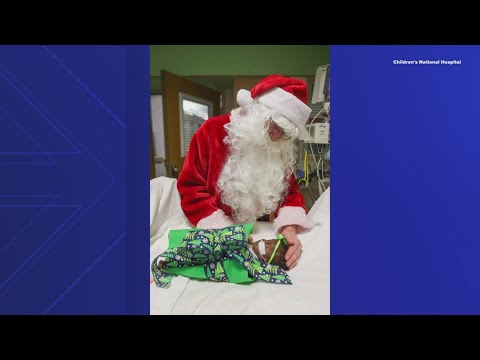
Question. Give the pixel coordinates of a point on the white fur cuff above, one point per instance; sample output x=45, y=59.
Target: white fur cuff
x=292, y=215
x=216, y=220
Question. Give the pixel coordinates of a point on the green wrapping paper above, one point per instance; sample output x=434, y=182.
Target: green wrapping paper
x=214, y=254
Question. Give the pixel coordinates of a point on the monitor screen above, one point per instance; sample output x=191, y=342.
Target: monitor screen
x=321, y=88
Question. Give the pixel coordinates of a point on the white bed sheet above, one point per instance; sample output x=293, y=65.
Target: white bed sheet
x=309, y=294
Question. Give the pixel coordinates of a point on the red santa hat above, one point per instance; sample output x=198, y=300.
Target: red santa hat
x=287, y=96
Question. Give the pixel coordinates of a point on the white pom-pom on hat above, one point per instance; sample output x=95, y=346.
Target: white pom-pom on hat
x=244, y=99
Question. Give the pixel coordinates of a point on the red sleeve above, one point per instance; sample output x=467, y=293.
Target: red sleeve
x=294, y=197
x=196, y=201
x=292, y=211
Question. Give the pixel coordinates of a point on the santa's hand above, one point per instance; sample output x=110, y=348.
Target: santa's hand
x=294, y=246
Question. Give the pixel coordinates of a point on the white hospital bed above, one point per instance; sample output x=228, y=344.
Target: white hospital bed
x=309, y=294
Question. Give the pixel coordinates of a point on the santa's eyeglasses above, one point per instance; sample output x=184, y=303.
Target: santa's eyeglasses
x=274, y=126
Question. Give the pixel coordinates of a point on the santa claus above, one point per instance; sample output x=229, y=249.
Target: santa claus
x=240, y=167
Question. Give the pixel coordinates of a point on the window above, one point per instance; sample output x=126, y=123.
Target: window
x=193, y=112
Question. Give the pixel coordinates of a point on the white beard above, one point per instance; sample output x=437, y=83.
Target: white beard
x=255, y=177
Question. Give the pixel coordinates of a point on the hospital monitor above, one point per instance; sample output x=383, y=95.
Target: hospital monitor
x=321, y=87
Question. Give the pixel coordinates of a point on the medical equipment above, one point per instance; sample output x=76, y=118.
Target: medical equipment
x=321, y=88
x=305, y=178
x=319, y=133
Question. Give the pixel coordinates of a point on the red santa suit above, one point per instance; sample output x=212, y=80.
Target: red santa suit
x=197, y=183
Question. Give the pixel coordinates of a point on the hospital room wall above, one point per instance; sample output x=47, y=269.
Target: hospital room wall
x=238, y=60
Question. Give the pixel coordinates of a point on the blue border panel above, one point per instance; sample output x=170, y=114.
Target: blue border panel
x=405, y=180
x=64, y=113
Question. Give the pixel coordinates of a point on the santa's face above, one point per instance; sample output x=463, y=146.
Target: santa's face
x=275, y=132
